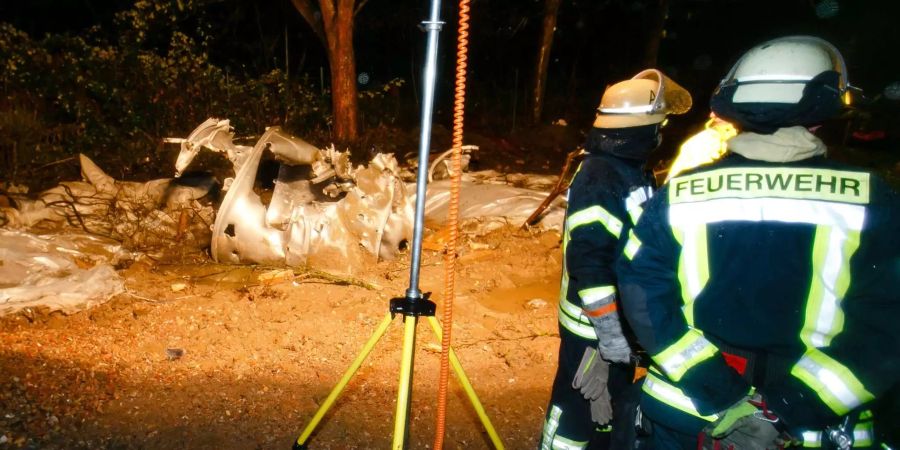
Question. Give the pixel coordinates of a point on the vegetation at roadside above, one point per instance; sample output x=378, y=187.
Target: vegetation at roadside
x=114, y=93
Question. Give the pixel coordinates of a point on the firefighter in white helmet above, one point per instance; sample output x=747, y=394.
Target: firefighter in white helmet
x=594, y=386
x=763, y=285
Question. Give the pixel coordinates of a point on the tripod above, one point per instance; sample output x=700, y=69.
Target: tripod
x=414, y=304
x=411, y=309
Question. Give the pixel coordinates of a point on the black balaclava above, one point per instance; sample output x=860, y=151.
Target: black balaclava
x=821, y=101
x=630, y=143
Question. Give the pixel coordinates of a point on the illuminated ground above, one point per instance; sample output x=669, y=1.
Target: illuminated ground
x=257, y=358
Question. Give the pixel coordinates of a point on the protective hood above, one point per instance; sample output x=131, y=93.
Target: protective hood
x=784, y=145
x=635, y=143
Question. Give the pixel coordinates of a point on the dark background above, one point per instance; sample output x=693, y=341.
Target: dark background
x=597, y=42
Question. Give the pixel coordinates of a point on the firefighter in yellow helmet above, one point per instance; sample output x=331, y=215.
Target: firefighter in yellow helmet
x=763, y=285
x=594, y=388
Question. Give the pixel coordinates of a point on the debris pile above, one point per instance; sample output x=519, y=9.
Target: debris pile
x=323, y=212
x=64, y=273
x=156, y=217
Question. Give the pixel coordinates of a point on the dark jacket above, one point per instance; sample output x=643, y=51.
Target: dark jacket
x=606, y=192
x=795, y=264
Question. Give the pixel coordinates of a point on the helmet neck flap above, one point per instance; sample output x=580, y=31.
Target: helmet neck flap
x=633, y=143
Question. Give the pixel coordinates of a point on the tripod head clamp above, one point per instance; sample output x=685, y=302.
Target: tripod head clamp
x=413, y=306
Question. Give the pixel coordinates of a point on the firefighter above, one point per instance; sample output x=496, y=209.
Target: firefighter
x=593, y=392
x=764, y=285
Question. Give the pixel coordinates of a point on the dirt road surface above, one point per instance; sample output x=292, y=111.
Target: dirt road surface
x=203, y=356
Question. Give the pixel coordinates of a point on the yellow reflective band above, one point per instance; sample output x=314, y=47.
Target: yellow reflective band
x=757, y=182
x=835, y=384
x=561, y=443
x=564, y=284
x=841, y=215
x=594, y=214
x=687, y=352
x=832, y=249
x=550, y=440
x=567, y=318
x=635, y=214
x=632, y=246
x=693, y=265
x=550, y=427
x=863, y=436
x=634, y=201
x=812, y=439
x=595, y=294
x=866, y=415
x=657, y=388
x=573, y=311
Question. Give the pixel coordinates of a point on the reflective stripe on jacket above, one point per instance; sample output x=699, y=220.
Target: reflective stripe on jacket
x=606, y=194
x=799, y=260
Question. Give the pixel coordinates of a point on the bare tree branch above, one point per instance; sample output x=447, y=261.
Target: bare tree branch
x=306, y=9
x=360, y=6
x=327, y=7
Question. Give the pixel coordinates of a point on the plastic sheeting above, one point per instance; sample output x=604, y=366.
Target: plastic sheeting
x=485, y=207
x=65, y=273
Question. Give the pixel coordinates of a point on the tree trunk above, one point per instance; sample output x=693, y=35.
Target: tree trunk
x=336, y=31
x=343, y=73
x=656, y=27
x=542, y=62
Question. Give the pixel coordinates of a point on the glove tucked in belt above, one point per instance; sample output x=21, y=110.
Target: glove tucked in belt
x=591, y=380
x=748, y=425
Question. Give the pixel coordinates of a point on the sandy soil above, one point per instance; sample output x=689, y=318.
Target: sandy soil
x=259, y=356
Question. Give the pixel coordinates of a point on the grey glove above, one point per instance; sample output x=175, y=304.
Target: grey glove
x=590, y=379
x=748, y=425
x=601, y=409
x=613, y=346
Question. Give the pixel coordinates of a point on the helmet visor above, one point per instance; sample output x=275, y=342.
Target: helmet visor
x=671, y=97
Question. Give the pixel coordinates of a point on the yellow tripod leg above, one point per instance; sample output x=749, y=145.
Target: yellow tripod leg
x=403, y=389
x=326, y=405
x=467, y=387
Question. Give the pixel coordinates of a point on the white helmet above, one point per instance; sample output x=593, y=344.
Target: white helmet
x=778, y=71
x=643, y=100
x=785, y=82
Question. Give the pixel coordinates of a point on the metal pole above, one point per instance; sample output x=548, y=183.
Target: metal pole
x=433, y=28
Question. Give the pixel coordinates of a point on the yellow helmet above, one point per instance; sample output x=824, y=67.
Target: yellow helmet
x=645, y=99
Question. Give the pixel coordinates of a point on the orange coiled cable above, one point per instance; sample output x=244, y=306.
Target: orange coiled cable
x=450, y=252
